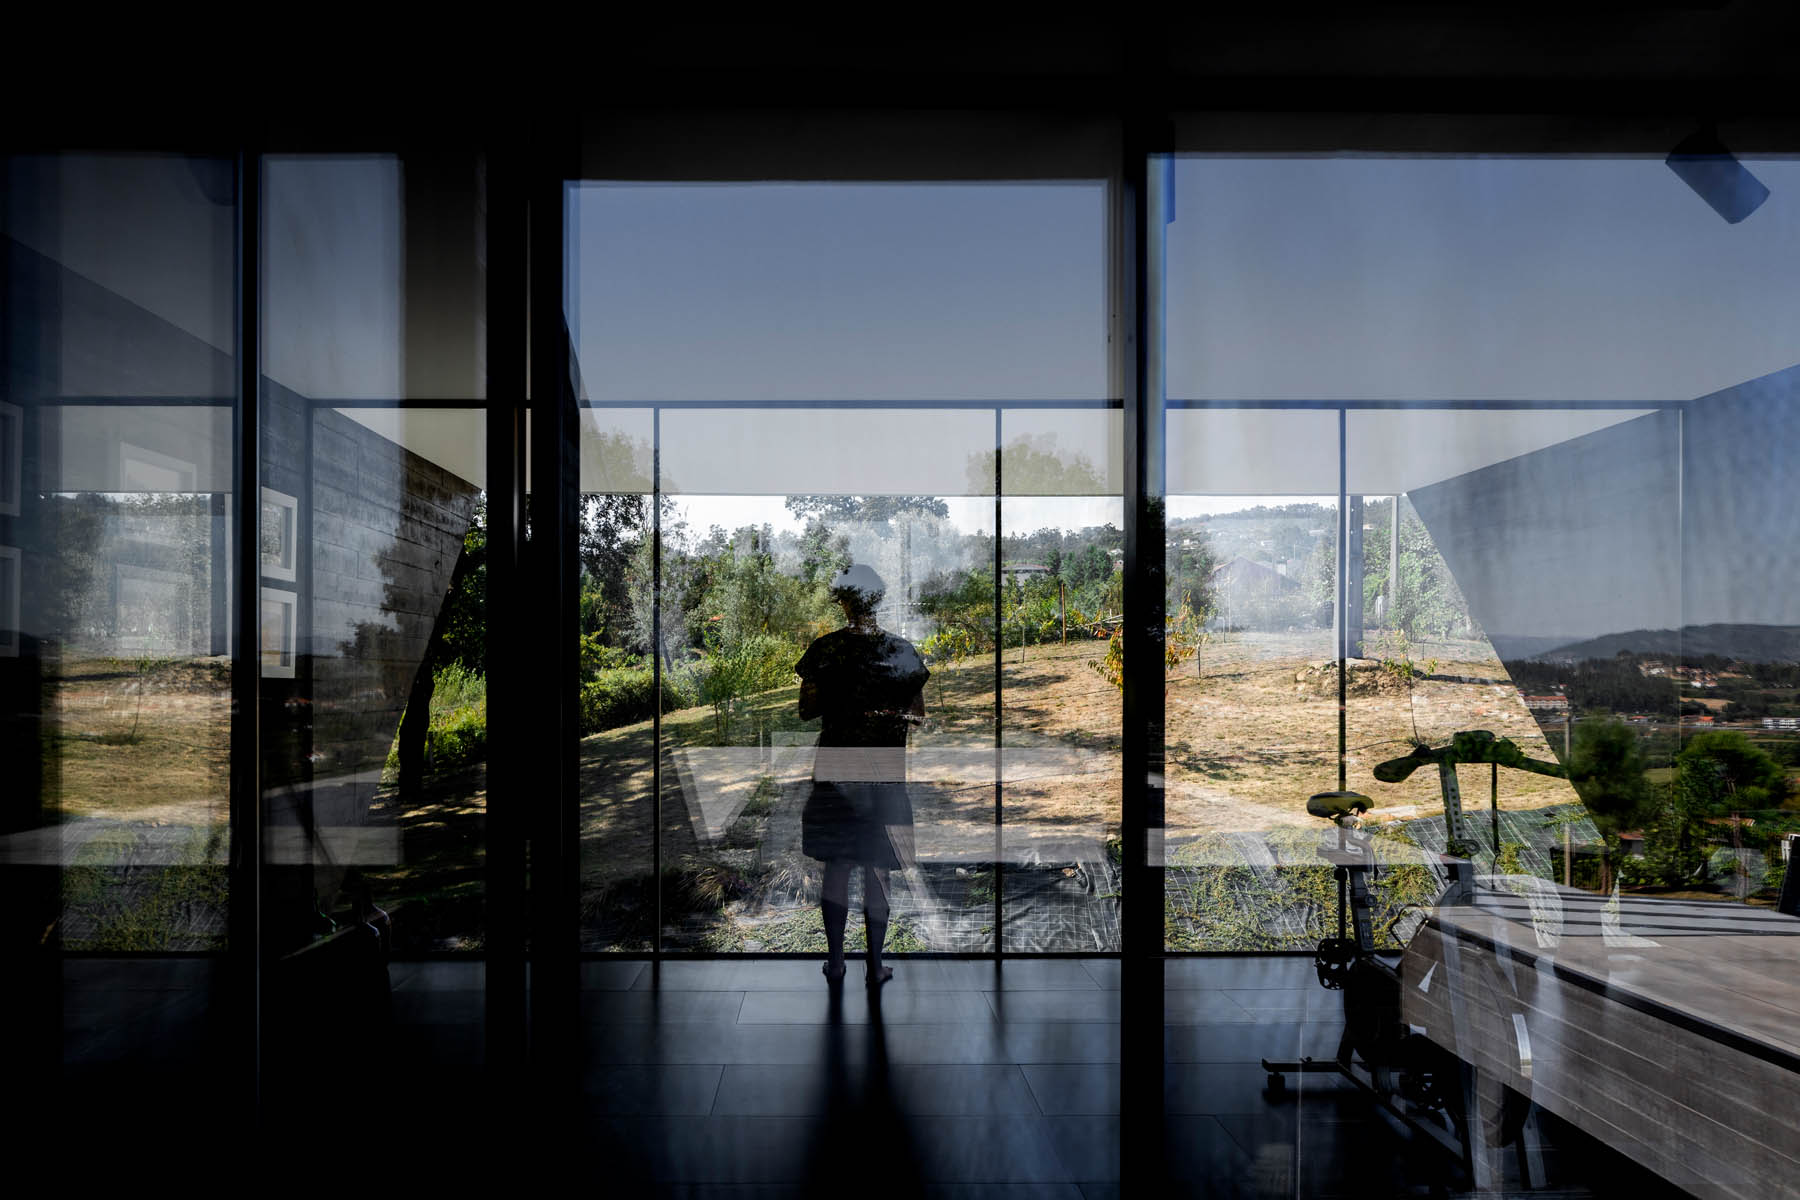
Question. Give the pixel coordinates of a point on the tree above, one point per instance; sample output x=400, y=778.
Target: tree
x=1090, y=565
x=1606, y=766
x=879, y=511
x=822, y=554
x=1722, y=772
x=464, y=616
x=613, y=528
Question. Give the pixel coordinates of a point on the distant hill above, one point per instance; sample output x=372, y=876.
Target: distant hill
x=1752, y=643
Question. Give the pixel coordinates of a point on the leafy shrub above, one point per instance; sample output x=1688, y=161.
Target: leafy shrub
x=456, y=734
x=1638, y=872
x=596, y=658
x=457, y=688
x=622, y=696
x=457, y=743
x=740, y=667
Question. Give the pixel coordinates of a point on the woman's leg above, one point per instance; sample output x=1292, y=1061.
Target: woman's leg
x=875, y=915
x=834, y=905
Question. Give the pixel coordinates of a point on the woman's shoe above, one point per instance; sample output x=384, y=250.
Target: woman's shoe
x=831, y=976
x=879, y=975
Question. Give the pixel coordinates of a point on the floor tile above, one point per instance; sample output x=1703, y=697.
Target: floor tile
x=1240, y=971
x=727, y=975
x=911, y=1089
x=713, y=1149
x=1074, y=1089
x=855, y=1006
x=439, y=1005
x=652, y=1091
x=1202, y=1006
x=1022, y=974
x=1002, y=1191
x=605, y=974
x=440, y=975
x=1291, y=1004
x=675, y=1007
x=784, y=1090
x=1333, y=1158
x=1001, y=1149
x=1201, y=1152
x=1214, y=1088
x=148, y=973
x=1249, y=1042
x=1091, y=1004
x=707, y=1042
x=1103, y=971
x=1087, y=1146
x=983, y=1042
x=1061, y=1042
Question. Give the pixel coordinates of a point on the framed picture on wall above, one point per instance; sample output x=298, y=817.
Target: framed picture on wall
x=9, y=602
x=280, y=636
x=12, y=457
x=278, y=534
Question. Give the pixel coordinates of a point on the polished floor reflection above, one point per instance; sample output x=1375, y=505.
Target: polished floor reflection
x=753, y=1078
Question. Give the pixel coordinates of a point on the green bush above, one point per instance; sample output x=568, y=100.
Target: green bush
x=740, y=667
x=1635, y=871
x=622, y=696
x=456, y=734
x=458, y=742
x=596, y=658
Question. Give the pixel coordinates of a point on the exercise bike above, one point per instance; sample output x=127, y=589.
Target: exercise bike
x=1410, y=1074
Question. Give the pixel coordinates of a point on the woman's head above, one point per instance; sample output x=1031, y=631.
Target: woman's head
x=859, y=589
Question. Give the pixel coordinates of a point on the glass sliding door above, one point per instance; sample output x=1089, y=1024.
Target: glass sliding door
x=373, y=637
x=785, y=380
x=117, y=568
x=1061, y=678
x=1451, y=511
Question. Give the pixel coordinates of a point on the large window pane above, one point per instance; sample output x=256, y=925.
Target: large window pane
x=116, y=575
x=373, y=633
x=1528, y=409
x=1061, y=598
x=816, y=353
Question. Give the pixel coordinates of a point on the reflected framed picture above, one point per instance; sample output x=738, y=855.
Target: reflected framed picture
x=9, y=602
x=279, y=633
x=12, y=457
x=142, y=470
x=277, y=534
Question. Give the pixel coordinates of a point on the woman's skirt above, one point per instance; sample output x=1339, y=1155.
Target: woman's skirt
x=866, y=823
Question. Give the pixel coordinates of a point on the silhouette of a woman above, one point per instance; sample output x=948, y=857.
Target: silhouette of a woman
x=866, y=686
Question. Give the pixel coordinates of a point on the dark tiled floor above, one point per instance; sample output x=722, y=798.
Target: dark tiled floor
x=748, y=1078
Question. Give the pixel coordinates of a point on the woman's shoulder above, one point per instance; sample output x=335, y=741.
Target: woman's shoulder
x=903, y=656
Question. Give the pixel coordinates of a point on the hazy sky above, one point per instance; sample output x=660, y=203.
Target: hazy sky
x=1318, y=278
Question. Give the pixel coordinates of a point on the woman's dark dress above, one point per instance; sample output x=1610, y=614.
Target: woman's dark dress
x=858, y=810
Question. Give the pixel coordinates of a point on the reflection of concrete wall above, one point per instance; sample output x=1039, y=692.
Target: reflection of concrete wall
x=387, y=527
x=1740, y=475
x=1569, y=542
x=382, y=529
x=1675, y=521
